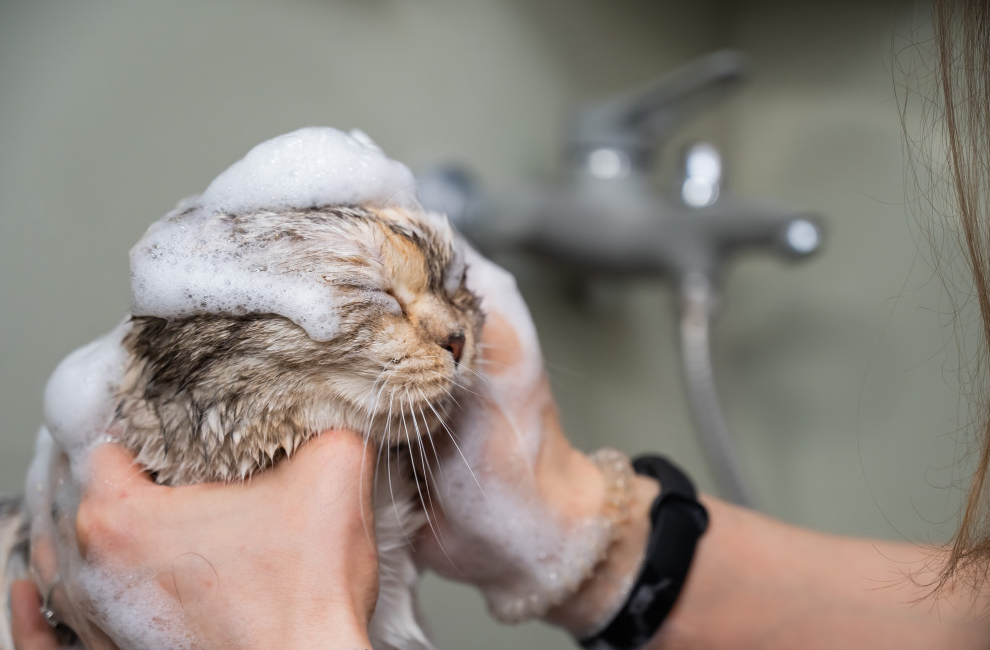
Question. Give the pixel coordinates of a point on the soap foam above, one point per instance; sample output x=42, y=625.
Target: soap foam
x=79, y=397
x=133, y=611
x=310, y=168
x=128, y=606
x=192, y=261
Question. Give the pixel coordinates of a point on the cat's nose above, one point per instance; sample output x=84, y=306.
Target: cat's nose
x=455, y=345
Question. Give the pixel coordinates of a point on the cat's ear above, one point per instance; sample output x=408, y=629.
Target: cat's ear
x=457, y=269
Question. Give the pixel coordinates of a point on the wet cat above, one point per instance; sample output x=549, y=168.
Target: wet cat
x=218, y=396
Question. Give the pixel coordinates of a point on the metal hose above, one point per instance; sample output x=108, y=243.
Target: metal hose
x=698, y=305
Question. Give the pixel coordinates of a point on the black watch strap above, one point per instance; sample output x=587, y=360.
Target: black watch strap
x=678, y=521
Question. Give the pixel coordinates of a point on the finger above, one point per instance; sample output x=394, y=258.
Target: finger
x=334, y=470
x=502, y=350
x=106, y=512
x=112, y=467
x=30, y=630
x=336, y=454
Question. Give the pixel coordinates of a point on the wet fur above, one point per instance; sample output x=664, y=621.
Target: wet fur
x=215, y=397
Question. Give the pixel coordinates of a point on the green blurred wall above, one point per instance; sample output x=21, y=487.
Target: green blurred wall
x=837, y=373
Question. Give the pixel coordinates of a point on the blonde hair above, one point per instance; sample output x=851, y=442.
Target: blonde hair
x=961, y=121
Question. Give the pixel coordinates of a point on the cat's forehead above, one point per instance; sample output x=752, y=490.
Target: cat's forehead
x=422, y=245
x=423, y=237
x=359, y=244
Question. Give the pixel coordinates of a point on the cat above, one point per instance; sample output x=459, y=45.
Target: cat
x=221, y=396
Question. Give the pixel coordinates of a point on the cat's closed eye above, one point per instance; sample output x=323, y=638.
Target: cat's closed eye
x=398, y=307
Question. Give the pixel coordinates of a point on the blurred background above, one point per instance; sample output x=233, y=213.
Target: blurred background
x=837, y=374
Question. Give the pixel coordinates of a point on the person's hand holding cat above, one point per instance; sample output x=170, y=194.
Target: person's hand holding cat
x=287, y=559
x=521, y=510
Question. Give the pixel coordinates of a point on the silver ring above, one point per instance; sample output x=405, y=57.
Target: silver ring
x=46, y=610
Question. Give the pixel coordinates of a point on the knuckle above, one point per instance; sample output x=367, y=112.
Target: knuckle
x=96, y=528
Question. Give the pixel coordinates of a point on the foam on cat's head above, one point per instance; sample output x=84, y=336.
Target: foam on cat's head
x=190, y=261
x=309, y=168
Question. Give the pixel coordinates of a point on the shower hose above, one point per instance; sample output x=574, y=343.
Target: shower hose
x=698, y=307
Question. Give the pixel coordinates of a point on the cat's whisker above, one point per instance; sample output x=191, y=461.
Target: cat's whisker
x=412, y=462
x=466, y=389
x=426, y=468
x=430, y=438
x=453, y=399
x=372, y=411
x=491, y=363
x=436, y=454
x=462, y=367
x=511, y=421
x=509, y=418
x=442, y=423
x=478, y=375
x=443, y=407
x=388, y=470
x=449, y=395
x=378, y=464
x=383, y=444
x=453, y=439
x=440, y=540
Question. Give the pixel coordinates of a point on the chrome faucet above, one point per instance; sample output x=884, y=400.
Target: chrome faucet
x=608, y=216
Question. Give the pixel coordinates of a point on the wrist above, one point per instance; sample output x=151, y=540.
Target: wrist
x=590, y=519
x=337, y=633
x=335, y=621
x=599, y=597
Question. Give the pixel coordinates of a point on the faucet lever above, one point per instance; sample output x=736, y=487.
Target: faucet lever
x=637, y=121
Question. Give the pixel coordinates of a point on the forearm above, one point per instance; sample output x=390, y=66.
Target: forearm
x=761, y=584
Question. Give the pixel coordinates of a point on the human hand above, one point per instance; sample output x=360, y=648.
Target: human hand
x=286, y=559
x=541, y=528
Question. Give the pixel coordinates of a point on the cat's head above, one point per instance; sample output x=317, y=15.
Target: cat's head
x=403, y=342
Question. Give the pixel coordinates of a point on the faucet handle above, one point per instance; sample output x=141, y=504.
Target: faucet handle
x=637, y=121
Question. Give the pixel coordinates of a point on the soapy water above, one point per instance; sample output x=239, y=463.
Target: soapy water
x=125, y=605
x=191, y=262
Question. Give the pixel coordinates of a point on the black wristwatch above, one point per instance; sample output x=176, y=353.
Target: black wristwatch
x=678, y=521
